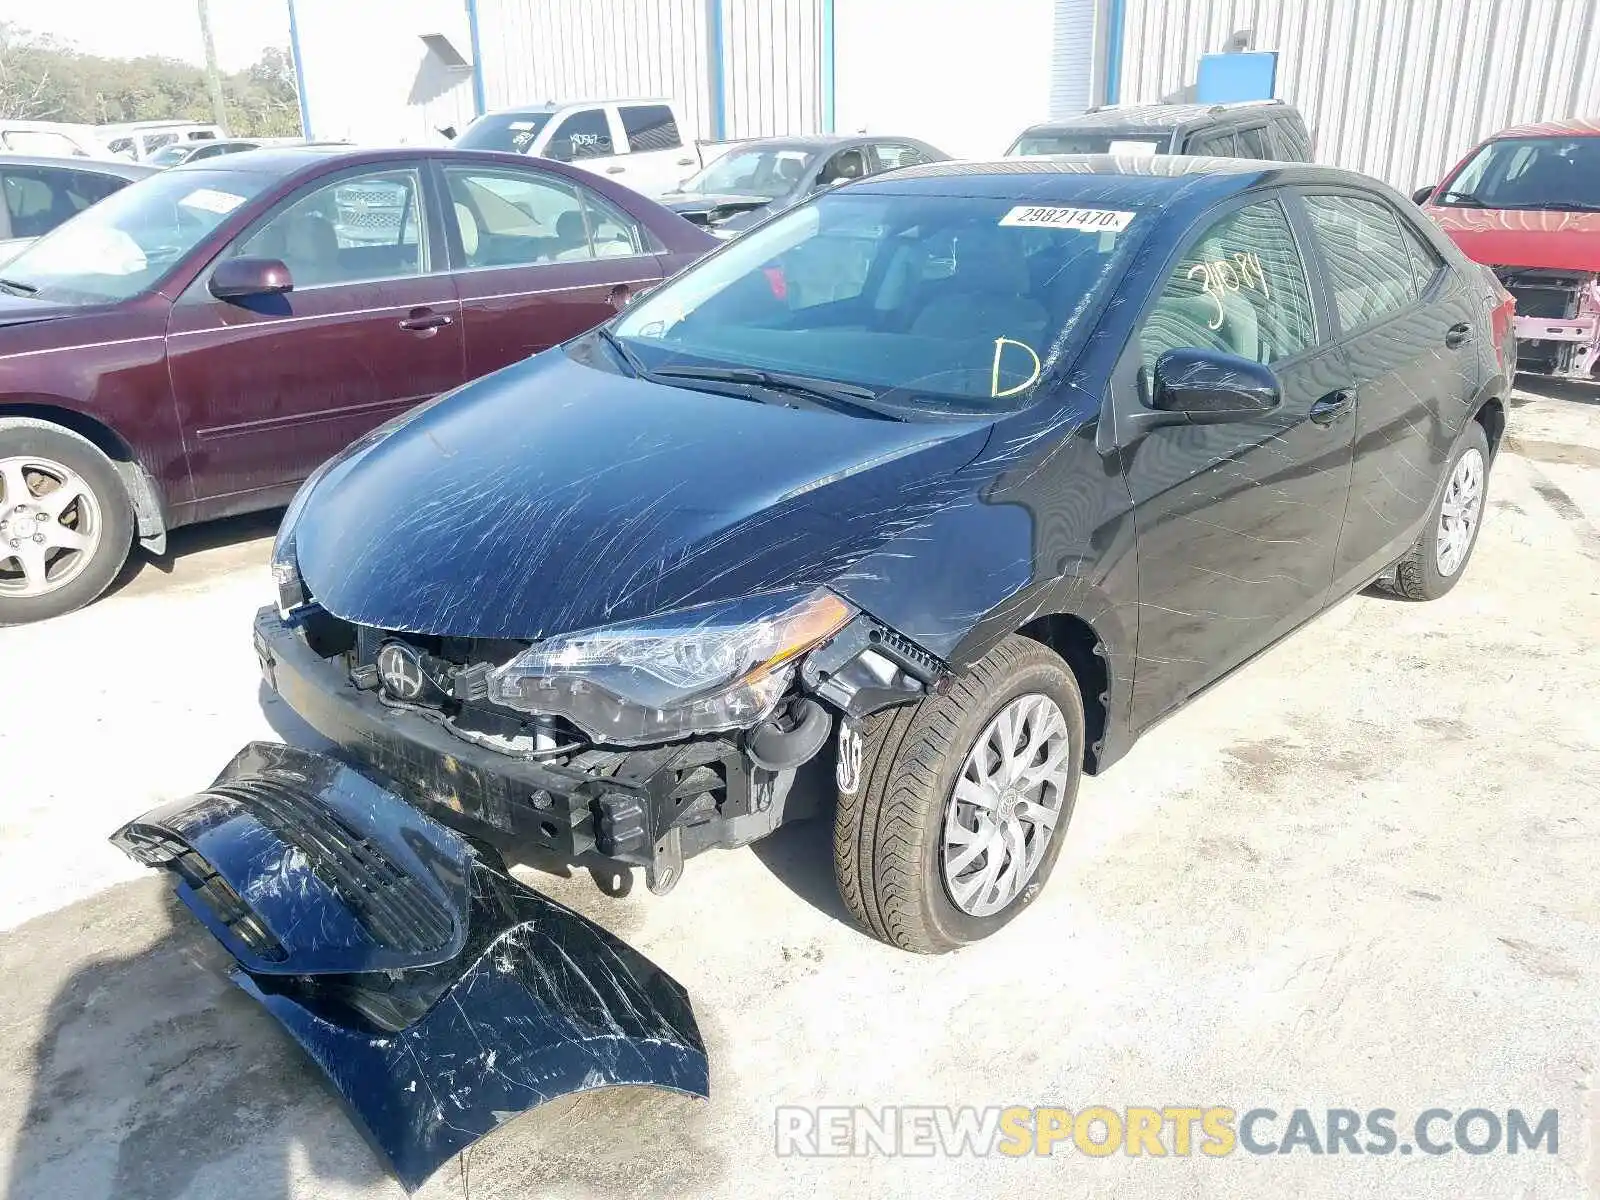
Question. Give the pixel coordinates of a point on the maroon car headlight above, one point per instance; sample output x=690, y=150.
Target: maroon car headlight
x=698, y=670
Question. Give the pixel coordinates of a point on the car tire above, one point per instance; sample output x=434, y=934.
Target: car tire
x=43, y=458
x=898, y=855
x=1438, y=559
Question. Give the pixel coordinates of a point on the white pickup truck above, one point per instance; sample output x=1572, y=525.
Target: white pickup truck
x=637, y=142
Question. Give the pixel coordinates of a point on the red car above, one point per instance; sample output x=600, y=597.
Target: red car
x=1526, y=203
x=195, y=345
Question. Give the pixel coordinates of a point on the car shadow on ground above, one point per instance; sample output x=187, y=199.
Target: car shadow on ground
x=1545, y=387
x=195, y=550
x=799, y=854
x=149, y=1075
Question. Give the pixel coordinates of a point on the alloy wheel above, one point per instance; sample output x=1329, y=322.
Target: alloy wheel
x=1003, y=810
x=1459, y=513
x=50, y=526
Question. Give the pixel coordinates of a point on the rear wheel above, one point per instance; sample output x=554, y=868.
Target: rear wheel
x=952, y=811
x=65, y=521
x=1439, y=558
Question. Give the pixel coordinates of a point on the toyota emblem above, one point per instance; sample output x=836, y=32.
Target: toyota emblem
x=400, y=670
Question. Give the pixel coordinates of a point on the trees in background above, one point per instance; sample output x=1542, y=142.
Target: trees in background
x=43, y=80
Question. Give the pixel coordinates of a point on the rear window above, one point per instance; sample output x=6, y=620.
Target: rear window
x=512, y=133
x=1127, y=141
x=650, y=127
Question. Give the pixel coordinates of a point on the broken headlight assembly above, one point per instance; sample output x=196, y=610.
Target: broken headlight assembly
x=698, y=670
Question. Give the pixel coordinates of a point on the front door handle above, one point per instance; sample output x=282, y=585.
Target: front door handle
x=423, y=320
x=1331, y=407
x=1457, y=334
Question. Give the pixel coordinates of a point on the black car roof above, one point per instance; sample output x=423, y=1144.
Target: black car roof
x=95, y=166
x=1106, y=178
x=1165, y=118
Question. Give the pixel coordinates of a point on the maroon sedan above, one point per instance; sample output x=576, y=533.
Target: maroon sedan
x=195, y=345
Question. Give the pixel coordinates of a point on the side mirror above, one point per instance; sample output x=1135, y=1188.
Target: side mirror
x=1209, y=387
x=1420, y=196
x=239, y=278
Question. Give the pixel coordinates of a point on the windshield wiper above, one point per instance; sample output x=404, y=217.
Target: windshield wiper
x=1564, y=205
x=622, y=352
x=1463, y=198
x=847, y=397
x=17, y=287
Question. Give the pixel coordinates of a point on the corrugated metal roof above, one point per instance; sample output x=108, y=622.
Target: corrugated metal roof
x=1400, y=89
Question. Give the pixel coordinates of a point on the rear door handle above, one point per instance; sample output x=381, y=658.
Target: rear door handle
x=615, y=170
x=1457, y=334
x=1331, y=407
x=422, y=320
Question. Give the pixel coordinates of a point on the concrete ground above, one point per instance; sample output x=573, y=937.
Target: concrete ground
x=1358, y=874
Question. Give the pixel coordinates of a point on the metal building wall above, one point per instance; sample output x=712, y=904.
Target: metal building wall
x=772, y=67
x=1399, y=89
x=537, y=50
x=366, y=76
x=1072, y=57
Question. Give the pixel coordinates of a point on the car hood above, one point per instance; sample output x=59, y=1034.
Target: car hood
x=21, y=310
x=1568, y=241
x=554, y=496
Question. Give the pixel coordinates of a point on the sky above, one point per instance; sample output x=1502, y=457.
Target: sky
x=129, y=28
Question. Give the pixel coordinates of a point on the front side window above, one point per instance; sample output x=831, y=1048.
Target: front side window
x=512, y=218
x=844, y=166
x=1240, y=289
x=650, y=127
x=935, y=303
x=583, y=134
x=127, y=242
x=1544, y=172
x=354, y=230
x=1368, y=264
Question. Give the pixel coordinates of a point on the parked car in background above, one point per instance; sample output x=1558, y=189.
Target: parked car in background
x=176, y=153
x=636, y=142
x=41, y=193
x=753, y=180
x=1526, y=204
x=1248, y=129
x=53, y=139
x=195, y=344
x=139, y=140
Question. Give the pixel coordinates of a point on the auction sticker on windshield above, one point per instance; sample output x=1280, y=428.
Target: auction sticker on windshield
x=1094, y=220
x=211, y=200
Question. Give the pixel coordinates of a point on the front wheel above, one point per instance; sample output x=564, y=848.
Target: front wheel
x=65, y=522
x=952, y=811
x=1439, y=558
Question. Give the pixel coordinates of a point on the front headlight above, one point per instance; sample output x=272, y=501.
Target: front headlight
x=699, y=670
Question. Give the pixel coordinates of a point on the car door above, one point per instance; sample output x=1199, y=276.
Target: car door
x=267, y=387
x=539, y=259
x=1237, y=523
x=1416, y=370
x=656, y=160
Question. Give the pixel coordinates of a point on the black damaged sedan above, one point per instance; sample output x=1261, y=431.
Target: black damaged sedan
x=907, y=508
x=949, y=484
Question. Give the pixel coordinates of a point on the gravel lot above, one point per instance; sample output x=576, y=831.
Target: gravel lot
x=1360, y=873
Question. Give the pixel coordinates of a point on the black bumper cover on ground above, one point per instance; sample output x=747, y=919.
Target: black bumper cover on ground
x=440, y=996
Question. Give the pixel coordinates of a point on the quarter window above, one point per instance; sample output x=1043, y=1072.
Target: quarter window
x=1215, y=145
x=1425, y=260
x=650, y=127
x=583, y=134
x=1240, y=289
x=1369, y=265
x=360, y=228
x=1252, y=143
x=892, y=156
x=511, y=218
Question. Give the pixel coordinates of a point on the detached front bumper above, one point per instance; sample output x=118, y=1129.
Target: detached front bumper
x=438, y=994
